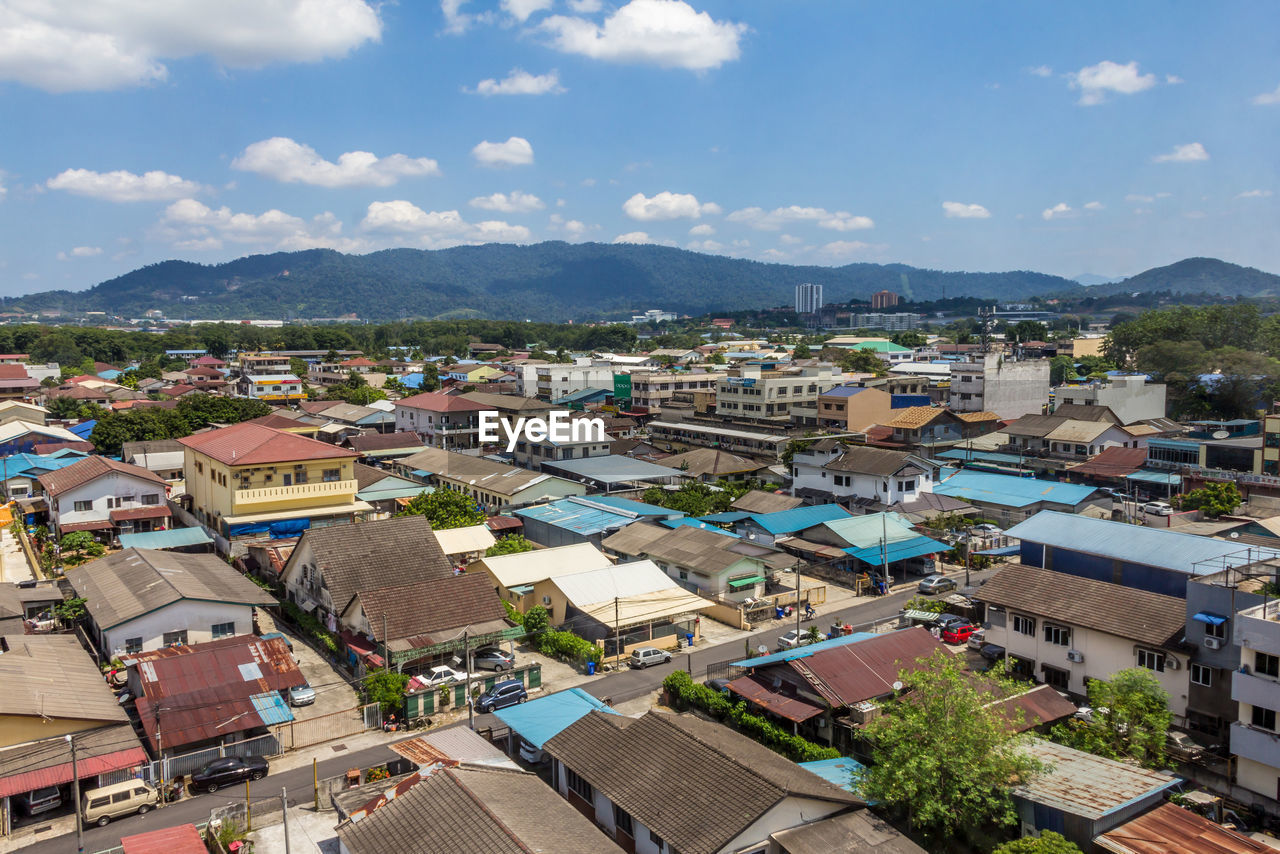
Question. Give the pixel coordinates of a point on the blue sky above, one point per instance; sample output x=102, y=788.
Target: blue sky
x=1069, y=138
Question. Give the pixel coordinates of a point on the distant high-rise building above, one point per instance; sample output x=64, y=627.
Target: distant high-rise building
x=884, y=299
x=808, y=298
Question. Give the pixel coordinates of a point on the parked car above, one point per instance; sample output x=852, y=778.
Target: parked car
x=508, y=692
x=986, y=529
x=302, y=695
x=40, y=801
x=793, y=639
x=1157, y=508
x=936, y=584
x=99, y=806
x=958, y=633
x=1182, y=746
x=946, y=621
x=442, y=675
x=977, y=639
x=493, y=658
x=992, y=652
x=719, y=685
x=228, y=771
x=532, y=755
x=647, y=655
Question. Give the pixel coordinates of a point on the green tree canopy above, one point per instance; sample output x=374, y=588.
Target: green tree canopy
x=509, y=545
x=445, y=509
x=801, y=351
x=942, y=757
x=386, y=687
x=1129, y=721
x=536, y=620
x=1213, y=499
x=862, y=362
x=1047, y=842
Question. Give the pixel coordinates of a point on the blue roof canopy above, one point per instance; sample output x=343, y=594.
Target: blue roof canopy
x=686, y=522
x=1004, y=490
x=901, y=550
x=804, y=651
x=1210, y=619
x=171, y=539
x=799, y=518
x=540, y=720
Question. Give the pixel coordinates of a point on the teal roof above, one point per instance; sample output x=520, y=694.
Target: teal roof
x=882, y=347
x=798, y=518
x=917, y=546
x=859, y=531
x=272, y=708
x=393, y=487
x=838, y=772
x=686, y=522
x=174, y=538
x=540, y=720
x=804, y=651
x=638, y=507
x=1004, y=490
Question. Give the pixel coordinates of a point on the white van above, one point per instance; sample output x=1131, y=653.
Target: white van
x=99, y=806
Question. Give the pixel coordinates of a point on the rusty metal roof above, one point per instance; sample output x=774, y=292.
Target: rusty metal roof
x=238, y=666
x=1085, y=785
x=845, y=675
x=792, y=708
x=1041, y=705
x=182, y=839
x=1169, y=829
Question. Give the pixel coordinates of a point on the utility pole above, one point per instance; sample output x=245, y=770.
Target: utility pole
x=797, y=604
x=466, y=659
x=617, y=638
x=75, y=795
x=284, y=816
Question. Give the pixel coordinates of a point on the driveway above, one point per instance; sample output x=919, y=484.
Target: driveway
x=333, y=692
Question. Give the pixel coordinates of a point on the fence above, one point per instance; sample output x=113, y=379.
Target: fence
x=171, y=766
x=328, y=727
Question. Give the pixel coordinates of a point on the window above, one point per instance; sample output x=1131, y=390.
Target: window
x=1151, y=660
x=151, y=499
x=1265, y=718
x=622, y=820
x=1266, y=665
x=133, y=645
x=1057, y=635
x=656, y=840
x=1057, y=678
x=171, y=638
x=579, y=786
x=121, y=797
x=83, y=506
x=330, y=475
x=1218, y=631
x=1024, y=625
x=1202, y=675
x=223, y=630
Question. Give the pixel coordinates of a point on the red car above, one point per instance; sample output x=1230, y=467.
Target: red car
x=958, y=633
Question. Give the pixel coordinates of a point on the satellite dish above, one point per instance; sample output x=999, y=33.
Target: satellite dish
x=897, y=686
x=1235, y=535
x=1221, y=434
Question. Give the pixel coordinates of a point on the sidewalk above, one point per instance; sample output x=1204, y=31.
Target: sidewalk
x=13, y=560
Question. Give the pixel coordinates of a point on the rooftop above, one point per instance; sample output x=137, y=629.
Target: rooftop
x=1086, y=785
x=483, y=474
x=799, y=518
x=541, y=719
x=612, y=469
x=50, y=676
x=515, y=570
x=710, y=461
x=432, y=401
x=862, y=459
x=1170, y=829
x=627, y=594
x=91, y=468
x=1005, y=490
x=583, y=515
x=247, y=444
x=421, y=611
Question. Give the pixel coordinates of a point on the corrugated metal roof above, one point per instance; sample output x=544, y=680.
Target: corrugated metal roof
x=637, y=507
x=1170, y=829
x=530, y=567
x=1004, y=490
x=182, y=839
x=804, y=651
x=1086, y=785
x=580, y=517
x=611, y=469
x=272, y=708
x=86, y=767
x=850, y=674
x=799, y=518
x=538, y=721
x=1135, y=544
x=791, y=708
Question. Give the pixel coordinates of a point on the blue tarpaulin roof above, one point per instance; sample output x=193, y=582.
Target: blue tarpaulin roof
x=83, y=429
x=838, y=772
x=1001, y=552
x=804, y=651
x=1160, y=477
x=272, y=708
x=540, y=720
x=1004, y=490
x=901, y=550
x=686, y=522
x=1211, y=619
x=171, y=539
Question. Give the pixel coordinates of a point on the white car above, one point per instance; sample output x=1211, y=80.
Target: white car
x=1157, y=508
x=793, y=639
x=986, y=529
x=442, y=675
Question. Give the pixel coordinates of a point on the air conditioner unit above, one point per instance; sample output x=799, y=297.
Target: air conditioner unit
x=1171, y=663
x=1213, y=643
x=546, y=600
x=1075, y=655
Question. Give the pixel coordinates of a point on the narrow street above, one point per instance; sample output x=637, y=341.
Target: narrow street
x=618, y=687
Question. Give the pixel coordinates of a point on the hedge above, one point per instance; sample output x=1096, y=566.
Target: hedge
x=686, y=693
x=567, y=645
x=310, y=625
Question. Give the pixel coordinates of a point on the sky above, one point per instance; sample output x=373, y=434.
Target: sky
x=1086, y=138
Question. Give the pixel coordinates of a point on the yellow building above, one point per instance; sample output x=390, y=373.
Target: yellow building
x=248, y=480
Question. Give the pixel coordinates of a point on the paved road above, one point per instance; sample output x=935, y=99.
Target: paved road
x=620, y=687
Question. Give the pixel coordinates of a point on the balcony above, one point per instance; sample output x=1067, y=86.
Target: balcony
x=1259, y=628
x=303, y=492
x=1254, y=743
x=1255, y=690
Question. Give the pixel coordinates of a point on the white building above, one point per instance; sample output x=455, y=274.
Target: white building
x=1255, y=737
x=552, y=382
x=996, y=383
x=831, y=468
x=751, y=393
x=1130, y=397
x=106, y=497
x=808, y=298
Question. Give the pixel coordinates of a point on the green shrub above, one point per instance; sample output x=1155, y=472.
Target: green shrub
x=567, y=645
x=512, y=614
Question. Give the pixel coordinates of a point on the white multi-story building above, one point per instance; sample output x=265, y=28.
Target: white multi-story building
x=1255, y=736
x=995, y=383
x=841, y=471
x=552, y=382
x=755, y=394
x=1130, y=397
x=808, y=298
x=654, y=388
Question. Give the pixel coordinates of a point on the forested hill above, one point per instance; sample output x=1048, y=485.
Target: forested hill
x=1198, y=276
x=546, y=281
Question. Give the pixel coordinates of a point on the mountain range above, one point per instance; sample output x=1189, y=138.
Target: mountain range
x=556, y=281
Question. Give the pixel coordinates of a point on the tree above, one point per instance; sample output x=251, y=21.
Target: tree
x=1026, y=330
x=863, y=362
x=1129, y=721
x=801, y=351
x=78, y=546
x=67, y=408
x=445, y=509
x=70, y=610
x=942, y=756
x=1062, y=369
x=509, y=545
x=386, y=687
x=911, y=339
x=536, y=621
x=1213, y=499
x=1047, y=842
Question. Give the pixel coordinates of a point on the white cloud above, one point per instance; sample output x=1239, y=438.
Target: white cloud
x=283, y=159
x=522, y=9
x=1094, y=206
x=667, y=33
x=705, y=246
x=1095, y=82
x=1060, y=210
x=633, y=237
x=585, y=7
x=1138, y=197
x=667, y=205
x=457, y=21
x=71, y=45
x=407, y=222
x=1041, y=71
x=788, y=240
x=1267, y=99
x=703, y=230
x=192, y=225
x=1173, y=79
x=1189, y=153
x=80, y=252
x=122, y=186
x=516, y=151
x=774, y=220
x=520, y=82
x=515, y=202
x=1254, y=194
x=959, y=210
x=841, y=248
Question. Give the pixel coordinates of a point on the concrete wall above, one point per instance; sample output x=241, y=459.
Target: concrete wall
x=197, y=618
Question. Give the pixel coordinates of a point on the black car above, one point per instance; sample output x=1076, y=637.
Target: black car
x=225, y=772
x=506, y=693
x=493, y=658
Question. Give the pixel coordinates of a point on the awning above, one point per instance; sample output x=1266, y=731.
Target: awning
x=1160, y=477
x=791, y=708
x=746, y=582
x=1211, y=619
x=86, y=526
x=56, y=775
x=173, y=538
x=921, y=616
x=312, y=512
x=132, y=513
x=894, y=552
x=420, y=473
x=1003, y=551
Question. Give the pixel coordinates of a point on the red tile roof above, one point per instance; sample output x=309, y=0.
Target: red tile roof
x=358, y=362
x=183, y=839
x=211, y=361
x=91, y=468
x=133, y=513
x=13, y=372
x=253, y=444
x=435, y=402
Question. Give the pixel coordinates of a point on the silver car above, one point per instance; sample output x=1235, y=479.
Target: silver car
x=936, y=584
x=302, y=695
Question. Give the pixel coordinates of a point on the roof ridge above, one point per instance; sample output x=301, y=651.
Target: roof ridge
x=668, y=720
x=485, y=809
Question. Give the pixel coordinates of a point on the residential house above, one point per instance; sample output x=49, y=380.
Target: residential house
x=471, y=809
x=142, y=599
x=514, y=576
x=212, y=694
x=162, y=457
x=206, y=379
x=16, y=383
x=444, y=422
x=995, y=383
x=1009, y=499
x=465, y=544
x=247, y=480
x=760, y=501
x=712, y=464
x=382, y=447
x=493, y=486
x=1064, y=630
x=707, y=562
x=1082, y=795
x=1132, y=397
x=621, y=773
x=18, y=604
x=19, y=410
x=366, y=418
x=21, y=475
x=1255, y=735
x=767, y=528
x=880, y=541
x=101, y=495
x=273, y=388
x=586, y=519
x=753, y=393
x=21, y=437
x=829, y=468
x=849, y=408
